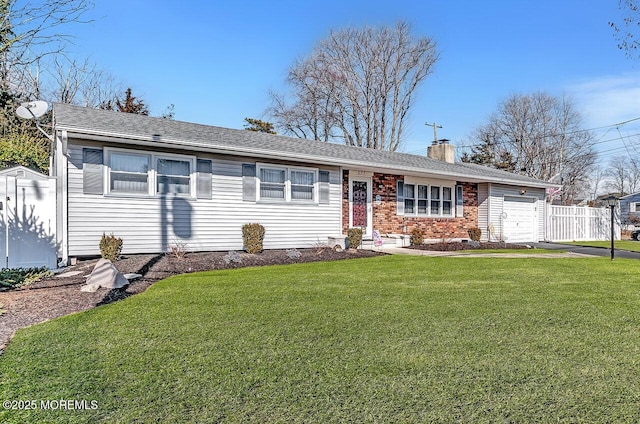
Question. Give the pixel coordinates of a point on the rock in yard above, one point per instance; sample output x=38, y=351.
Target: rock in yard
x=105, y=275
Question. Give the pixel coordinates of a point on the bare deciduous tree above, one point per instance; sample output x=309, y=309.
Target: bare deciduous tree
x=597, y=177
x=81, y=82
x=623, y=175
x=29, y=31
x=543, y=138
x=626, y=33
x=618, y=175
x=357, y=86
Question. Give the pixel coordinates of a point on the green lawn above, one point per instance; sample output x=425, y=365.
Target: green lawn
x=631, y=245
x=386, y=339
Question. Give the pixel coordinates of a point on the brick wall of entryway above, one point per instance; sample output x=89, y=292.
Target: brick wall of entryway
x=387, y=221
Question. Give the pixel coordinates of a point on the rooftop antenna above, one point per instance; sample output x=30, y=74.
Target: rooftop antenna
x=34, y=110
x=435, y=131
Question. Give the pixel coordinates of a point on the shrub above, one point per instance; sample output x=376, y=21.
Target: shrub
x=253, y=236
x=178, y=250
x=354, y=237
x=110, y=247
x=475, y=234
x=16, y=277
x=417, y=236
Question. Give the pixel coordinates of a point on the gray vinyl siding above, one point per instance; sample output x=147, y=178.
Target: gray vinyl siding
x=496, y=202
x=625, y=203
x=483, y=210
x=149, y=224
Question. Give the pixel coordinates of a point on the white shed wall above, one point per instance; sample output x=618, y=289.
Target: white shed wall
x=149, y=224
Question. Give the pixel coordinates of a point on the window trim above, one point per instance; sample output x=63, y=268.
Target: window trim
x=440, y=184
x=177, y=158
x=259, y=168
x=314, y=185
x=287, y=183
x=152, y=174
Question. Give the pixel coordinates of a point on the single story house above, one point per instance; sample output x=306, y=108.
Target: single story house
x=156, y=182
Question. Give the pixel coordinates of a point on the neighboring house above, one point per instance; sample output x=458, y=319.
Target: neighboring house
x=157, y=182
x=630, y=209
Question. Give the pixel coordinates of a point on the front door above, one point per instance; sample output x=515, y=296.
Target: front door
x=361, y=205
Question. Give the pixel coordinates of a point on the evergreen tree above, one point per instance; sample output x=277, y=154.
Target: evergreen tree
x=259, y=126
x=130, y=104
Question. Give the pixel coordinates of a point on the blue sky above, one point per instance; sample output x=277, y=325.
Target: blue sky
x=216, y=61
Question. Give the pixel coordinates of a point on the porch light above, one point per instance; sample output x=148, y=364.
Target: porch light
x=611, y=202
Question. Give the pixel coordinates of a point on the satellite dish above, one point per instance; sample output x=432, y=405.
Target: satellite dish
x=32, y=110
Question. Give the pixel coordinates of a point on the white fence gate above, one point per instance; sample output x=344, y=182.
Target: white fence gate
x=27, y=222
x=580, y=223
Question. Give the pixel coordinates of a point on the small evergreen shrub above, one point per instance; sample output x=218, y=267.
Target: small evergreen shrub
x=253, y=237
x=12, y=278
x=110, y=247
x=354, y=237
x=475, y=234
x=417, y=236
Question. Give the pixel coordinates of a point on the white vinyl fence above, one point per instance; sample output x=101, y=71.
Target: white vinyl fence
x=27, y=222
x=581, y=223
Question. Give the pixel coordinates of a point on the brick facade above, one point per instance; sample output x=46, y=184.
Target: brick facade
x=387, y=221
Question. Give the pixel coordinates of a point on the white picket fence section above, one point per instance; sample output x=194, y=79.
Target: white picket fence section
x=581, y=223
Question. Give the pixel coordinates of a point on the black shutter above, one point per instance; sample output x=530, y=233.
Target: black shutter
x=92, y=178
x=400, y=197
x=324, y=187
x=249, y=182
x=203, y=182
x=459, y=201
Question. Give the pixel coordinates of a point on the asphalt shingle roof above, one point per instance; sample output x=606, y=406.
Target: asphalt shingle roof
x=138, y=129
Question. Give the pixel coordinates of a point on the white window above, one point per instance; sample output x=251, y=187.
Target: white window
x=129, y=173
x=173, y=176
x=435, y=200
x=283, y=184
x=425, y=199
x=447, y=201
x=141, y=173
x=409, y=198
x=302, y=185
x=273, y=183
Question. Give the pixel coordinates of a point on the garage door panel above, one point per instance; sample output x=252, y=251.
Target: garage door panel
x=519, y=219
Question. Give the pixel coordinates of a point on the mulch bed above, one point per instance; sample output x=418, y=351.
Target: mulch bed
x=453, y=246
x=60, y=295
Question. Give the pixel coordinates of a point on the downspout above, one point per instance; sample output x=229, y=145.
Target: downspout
x=62, y=236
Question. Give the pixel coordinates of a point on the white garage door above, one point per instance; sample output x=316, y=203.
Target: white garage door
x=519, y=219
